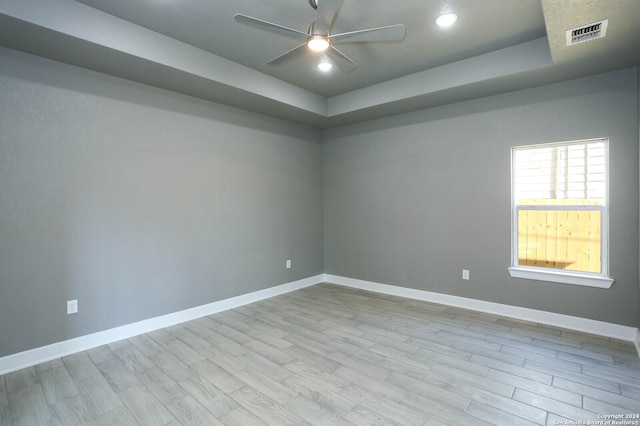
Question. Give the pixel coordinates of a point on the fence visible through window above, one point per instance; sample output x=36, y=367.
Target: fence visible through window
x=560, y=239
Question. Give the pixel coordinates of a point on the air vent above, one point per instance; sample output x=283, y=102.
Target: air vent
x=586, y=33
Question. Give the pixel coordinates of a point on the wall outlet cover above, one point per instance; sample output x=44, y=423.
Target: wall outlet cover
x=72, y=306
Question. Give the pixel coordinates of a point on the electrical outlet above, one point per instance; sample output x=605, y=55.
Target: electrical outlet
x=288, y=264
x=465, y=274
x=72, y=306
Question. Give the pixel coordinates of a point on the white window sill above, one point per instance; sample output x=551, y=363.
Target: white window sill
x=561, y=277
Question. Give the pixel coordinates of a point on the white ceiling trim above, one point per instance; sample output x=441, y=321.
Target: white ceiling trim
x=521, y=58
x=84, y=23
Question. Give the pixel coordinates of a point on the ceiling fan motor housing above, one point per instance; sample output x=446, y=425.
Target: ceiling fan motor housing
x=319, y=38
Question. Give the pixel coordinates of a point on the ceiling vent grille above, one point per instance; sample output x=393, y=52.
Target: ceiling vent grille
x=586, y=33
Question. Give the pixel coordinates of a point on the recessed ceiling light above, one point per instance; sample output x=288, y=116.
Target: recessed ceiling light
x=318, y=43
x=446, y=19
x=325, y=66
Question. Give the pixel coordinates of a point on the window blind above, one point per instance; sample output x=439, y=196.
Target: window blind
x=563, y=172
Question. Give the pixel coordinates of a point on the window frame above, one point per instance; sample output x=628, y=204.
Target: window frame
x=539, y=273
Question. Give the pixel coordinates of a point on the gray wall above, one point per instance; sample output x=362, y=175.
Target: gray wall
x=411, y=200
x=140, y=202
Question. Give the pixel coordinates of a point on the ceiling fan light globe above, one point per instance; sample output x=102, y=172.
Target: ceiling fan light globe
x=446, y=19
x=325, y=66
x=318, y=43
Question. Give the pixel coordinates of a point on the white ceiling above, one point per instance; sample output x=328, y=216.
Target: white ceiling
x=195, y=47
x=209, y=25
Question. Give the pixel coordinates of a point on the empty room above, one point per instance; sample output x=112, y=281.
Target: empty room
x=319, y=212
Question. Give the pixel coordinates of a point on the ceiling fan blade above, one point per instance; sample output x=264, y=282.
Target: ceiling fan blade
x=326, y=13
x=288, y=55
x=268, y=25
x=388, y=33
x=346, y=64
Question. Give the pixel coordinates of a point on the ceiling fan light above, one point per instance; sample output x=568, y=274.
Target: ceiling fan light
x=325, y=66
x=318, y=43
x=446, y=19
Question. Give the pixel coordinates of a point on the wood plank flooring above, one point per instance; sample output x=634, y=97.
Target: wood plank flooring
x=329, y=355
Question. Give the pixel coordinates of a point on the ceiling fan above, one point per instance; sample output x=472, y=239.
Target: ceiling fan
x=319, y=38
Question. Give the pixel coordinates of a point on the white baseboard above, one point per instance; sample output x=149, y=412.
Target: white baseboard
x=569, y=322
x=56, y=350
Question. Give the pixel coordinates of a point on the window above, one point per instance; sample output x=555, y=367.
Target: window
x=560, y=212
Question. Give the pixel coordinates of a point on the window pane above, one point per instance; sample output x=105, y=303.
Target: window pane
x=560, y=239
x=570, y=174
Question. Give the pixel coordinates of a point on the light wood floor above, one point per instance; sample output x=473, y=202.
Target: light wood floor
x=333, y=355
